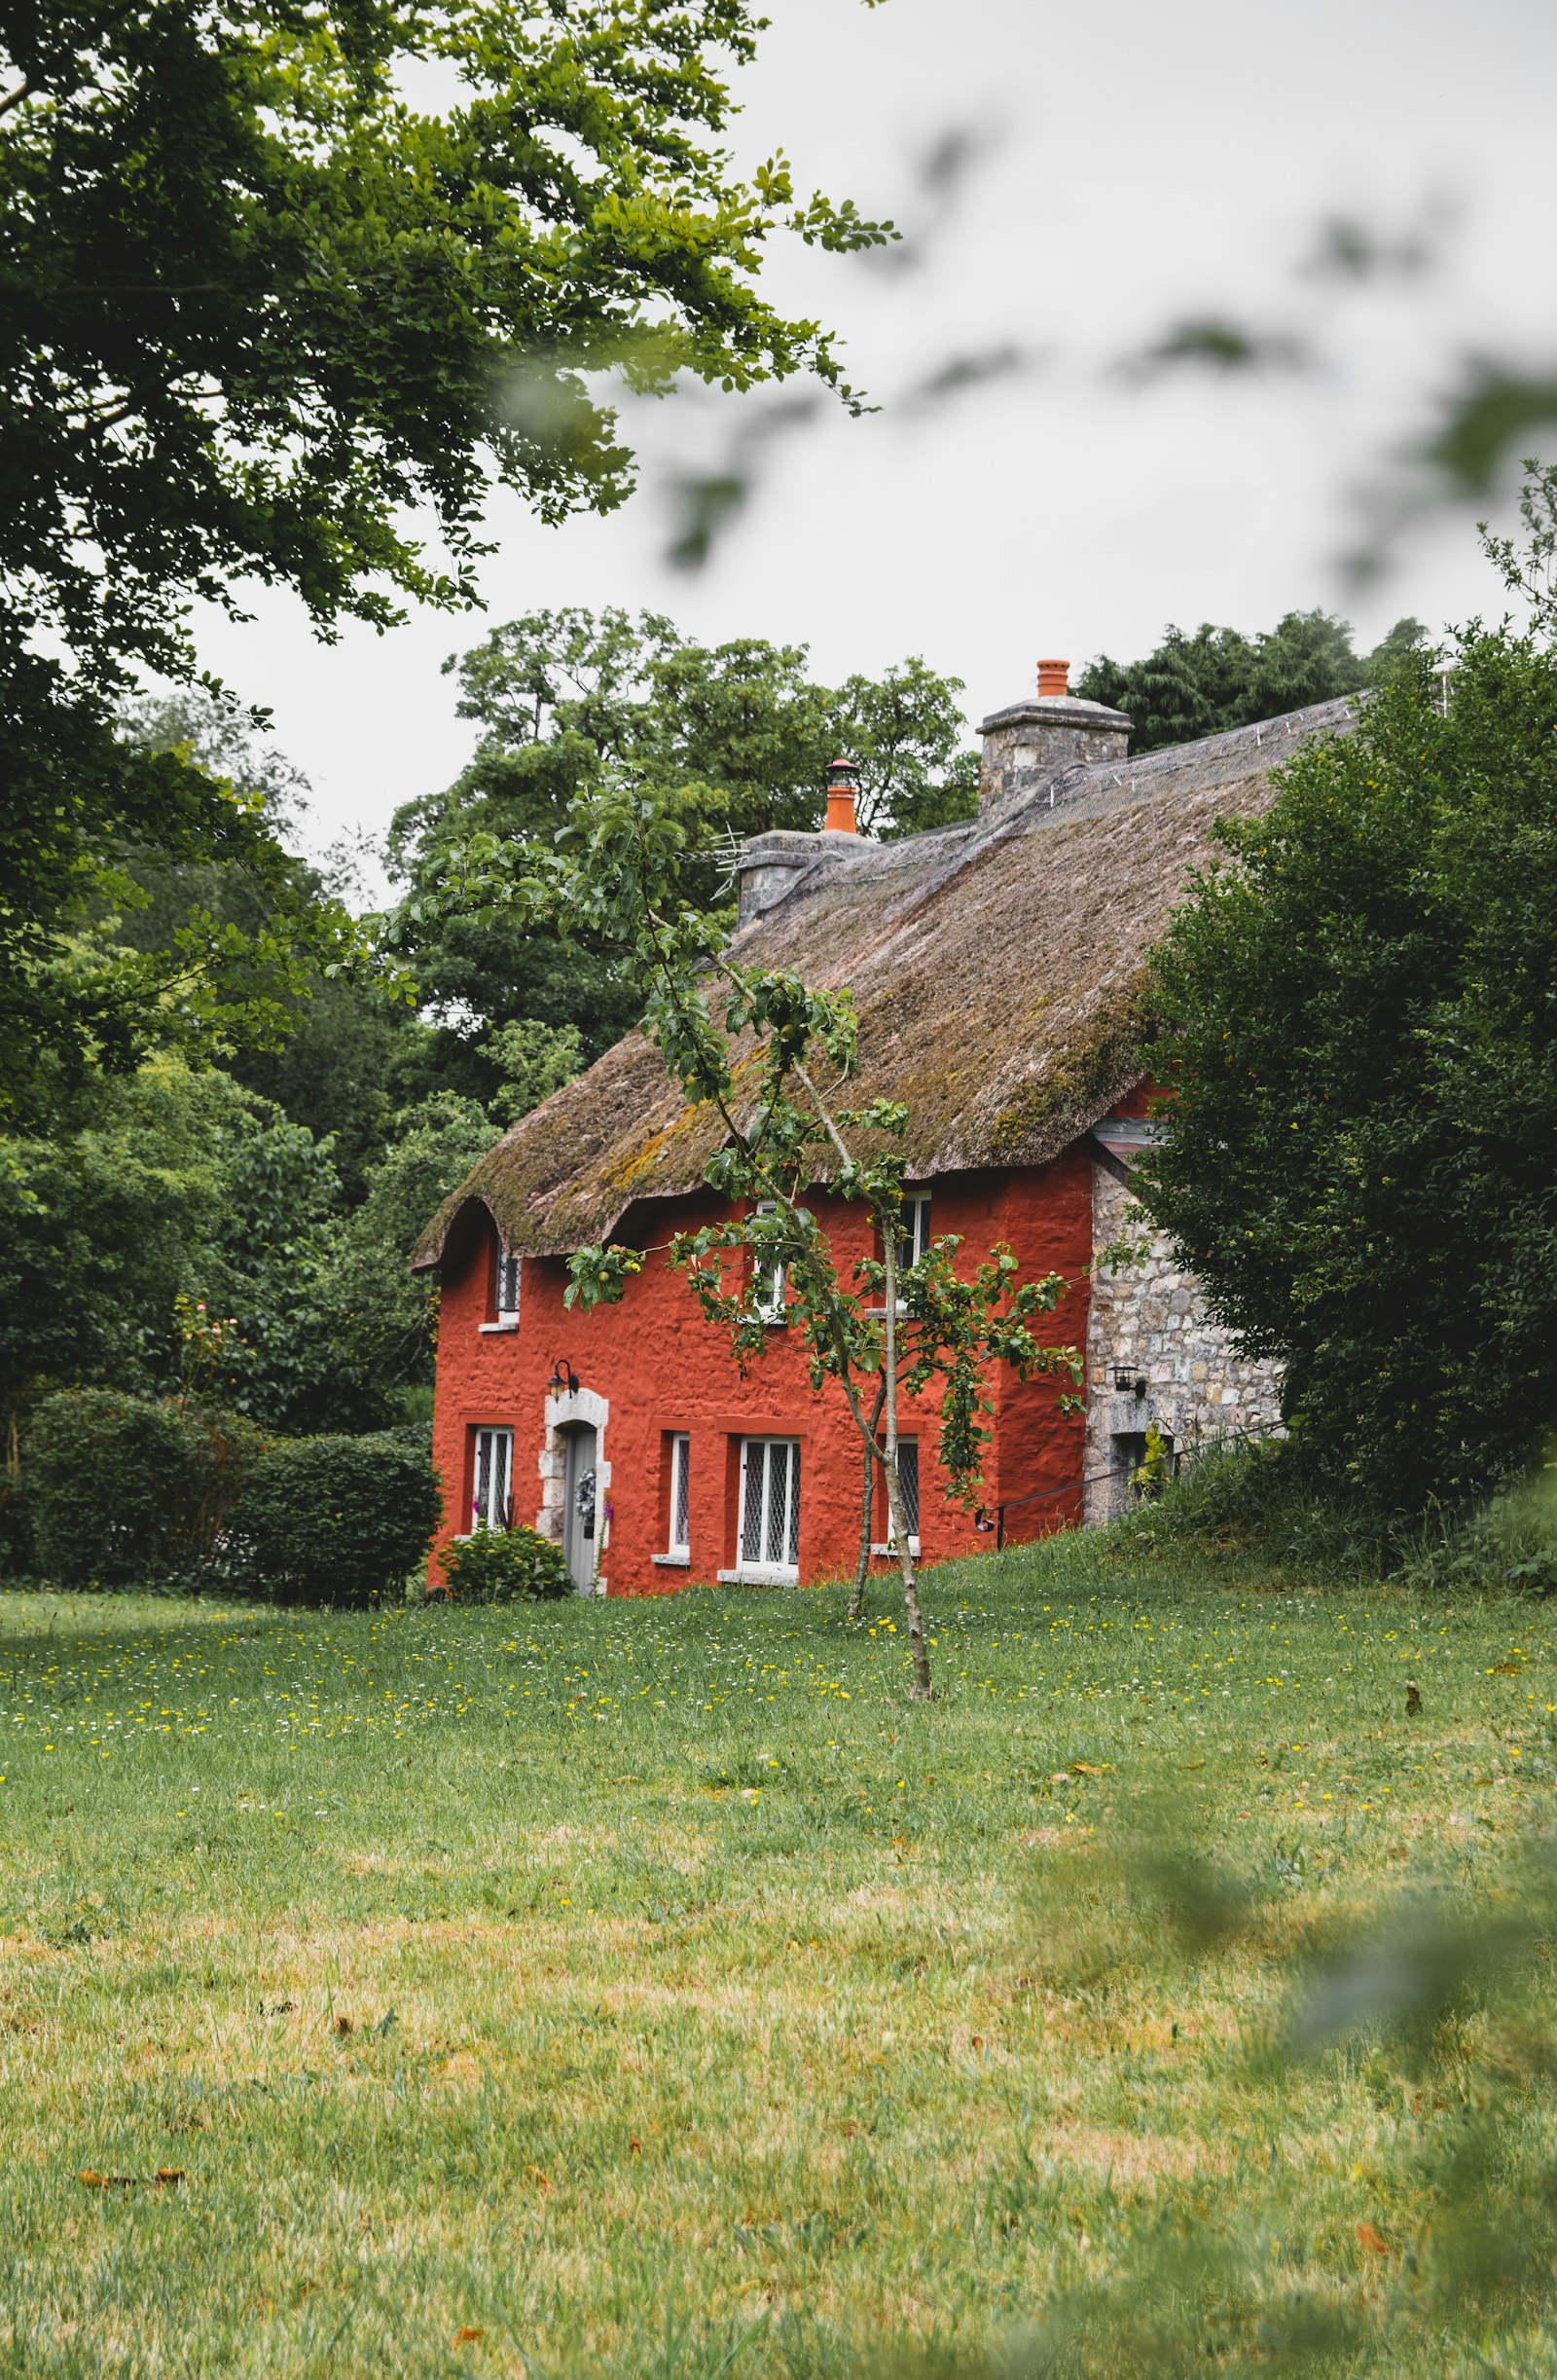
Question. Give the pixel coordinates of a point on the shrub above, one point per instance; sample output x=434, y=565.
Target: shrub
x=1269, y=1497
x=122, y=1490
x=1507, y=1545
x=336, y=1519
x=506, y=1567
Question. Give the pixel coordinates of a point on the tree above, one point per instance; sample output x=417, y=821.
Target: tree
x=382, y=1317
x=1218, y=678
x=1356, y=1019
x=734, y=737
x=258, y=306
x=619, y=877
x=171, y=1184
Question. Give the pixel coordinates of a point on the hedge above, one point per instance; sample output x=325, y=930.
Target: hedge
x=119, y=1490
x=337, y=1519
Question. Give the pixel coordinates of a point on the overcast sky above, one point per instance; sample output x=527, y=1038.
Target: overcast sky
x=1130, y=164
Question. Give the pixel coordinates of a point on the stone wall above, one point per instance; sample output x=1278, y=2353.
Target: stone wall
x=1147, y=1318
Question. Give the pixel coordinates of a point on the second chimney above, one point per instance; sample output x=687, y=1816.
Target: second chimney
x=1029, y=744
x=843, y=785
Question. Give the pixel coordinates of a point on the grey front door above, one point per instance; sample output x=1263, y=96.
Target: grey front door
x=580, y=1517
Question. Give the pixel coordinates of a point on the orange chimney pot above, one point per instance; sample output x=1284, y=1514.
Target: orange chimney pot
x=1053, y=677
x=843, y=780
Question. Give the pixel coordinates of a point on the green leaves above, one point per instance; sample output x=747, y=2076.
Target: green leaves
x=257, y=311
x=598, y=1277
x=1356, y=1018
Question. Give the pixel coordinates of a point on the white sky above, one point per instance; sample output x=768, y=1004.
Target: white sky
x=1134, y=164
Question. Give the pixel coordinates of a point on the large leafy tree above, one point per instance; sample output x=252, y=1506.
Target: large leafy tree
x=262, y=300
x=1217, y=678
x=1357, y=1017
x=732, y=740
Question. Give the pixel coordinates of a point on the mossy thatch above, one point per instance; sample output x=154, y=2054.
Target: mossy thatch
x=996, y=970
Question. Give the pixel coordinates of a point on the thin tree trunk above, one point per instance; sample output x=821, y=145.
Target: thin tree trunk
x=867, y=1506
x=922, y=1688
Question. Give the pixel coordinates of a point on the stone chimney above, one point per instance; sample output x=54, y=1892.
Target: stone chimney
x=1029, y=744
x=770, y=865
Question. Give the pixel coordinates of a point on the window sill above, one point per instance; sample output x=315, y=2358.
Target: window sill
x=759, y=1574
x=672, y=1561
x=890, y=1551
x=491, y=1329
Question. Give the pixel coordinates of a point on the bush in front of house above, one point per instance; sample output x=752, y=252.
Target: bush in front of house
x=506, y=1567
x=337, y=1519
x=122, y=1490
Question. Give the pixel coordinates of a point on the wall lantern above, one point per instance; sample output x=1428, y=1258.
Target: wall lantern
x=563, y=1381
x=1127, y=1382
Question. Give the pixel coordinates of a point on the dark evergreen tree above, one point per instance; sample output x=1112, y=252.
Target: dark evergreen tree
x=1217, y=678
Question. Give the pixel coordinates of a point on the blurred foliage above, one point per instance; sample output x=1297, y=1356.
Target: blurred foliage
x=1437, y=2000
x=1218, y=678
x=1354, y=1012
x=733, y=738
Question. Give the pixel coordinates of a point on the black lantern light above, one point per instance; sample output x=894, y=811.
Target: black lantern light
x=563, y=1381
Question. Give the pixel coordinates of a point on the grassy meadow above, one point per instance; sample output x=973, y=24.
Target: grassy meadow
x=651, y=1988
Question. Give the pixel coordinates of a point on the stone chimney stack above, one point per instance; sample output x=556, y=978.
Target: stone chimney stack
x=1029, y=744
x=769, y=866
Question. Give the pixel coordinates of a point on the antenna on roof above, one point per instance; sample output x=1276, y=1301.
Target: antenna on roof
x=727, y=858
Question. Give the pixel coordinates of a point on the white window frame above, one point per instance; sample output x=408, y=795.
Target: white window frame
x=756, y=1570
x=678, y=1548
x=913, y=1231
x=507, y=1285
x=888, y=1544
x=770, y=1282
x=497, y=1492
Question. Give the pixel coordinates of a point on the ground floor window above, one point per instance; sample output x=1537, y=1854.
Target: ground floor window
x=491, y=1503
x=679, y=1538
x=770, y=1507
x=908, y=1481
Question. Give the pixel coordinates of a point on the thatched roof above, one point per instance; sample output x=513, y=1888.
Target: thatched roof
x=996, y=968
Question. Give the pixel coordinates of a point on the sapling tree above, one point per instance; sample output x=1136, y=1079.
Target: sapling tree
x=771, y=1055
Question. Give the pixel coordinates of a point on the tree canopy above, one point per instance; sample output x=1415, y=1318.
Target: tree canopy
x=1357, y=1019
x=732, y=739
x=277, y=280
x=1218, y=677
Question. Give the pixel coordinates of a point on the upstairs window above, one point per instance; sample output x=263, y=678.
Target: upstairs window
x=770, y=1508
x=505, y=1286
x=491, y=1503
x=913, y=1230
x=679, y=1537
x=770, y=1280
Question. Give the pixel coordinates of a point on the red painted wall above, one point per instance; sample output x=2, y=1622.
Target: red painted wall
x=662, y=1368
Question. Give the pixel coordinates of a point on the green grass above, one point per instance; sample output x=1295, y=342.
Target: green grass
x=653, y=1988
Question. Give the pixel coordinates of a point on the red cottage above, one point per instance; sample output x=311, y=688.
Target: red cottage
x=994, y=965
